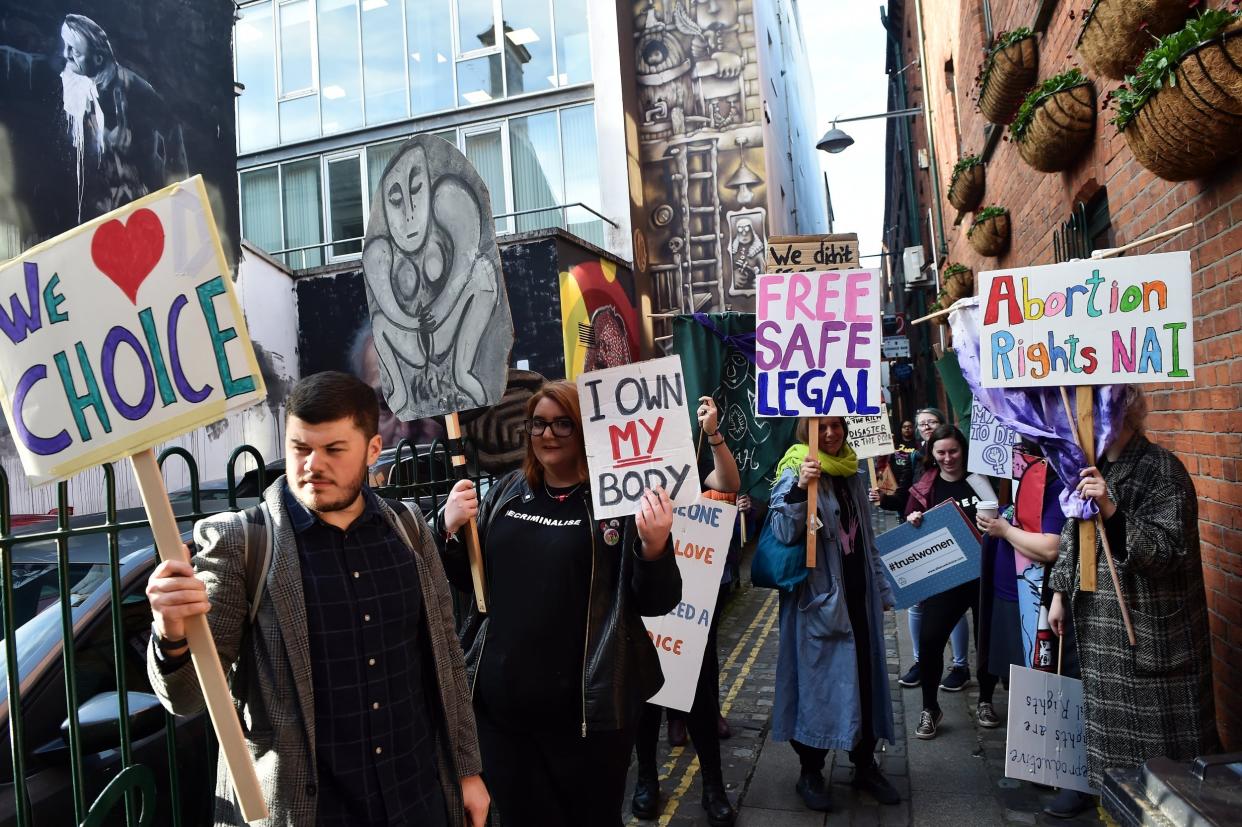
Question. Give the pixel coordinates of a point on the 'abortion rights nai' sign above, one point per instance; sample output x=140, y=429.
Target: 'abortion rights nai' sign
x=817, y=343
x=1111, y=321
x=701, y=534
x=120, y=334
x=636, y=425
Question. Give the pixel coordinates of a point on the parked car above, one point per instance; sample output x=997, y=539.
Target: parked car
x=214, y=494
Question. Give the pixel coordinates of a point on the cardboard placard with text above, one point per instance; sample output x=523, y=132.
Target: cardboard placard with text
x=871, y=436
x=991, y=444
x=811, y=253
x=120, y=334
x=701, y=535
x=1046, y=737
x=636, y=425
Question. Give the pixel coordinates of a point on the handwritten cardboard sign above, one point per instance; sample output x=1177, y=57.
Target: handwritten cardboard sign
x=1110, y=321
x=871, y=436
x=1046, y=738
x=120, y=334
x=636, y=423
x=991, y=444
x=941, y=553
x=811, y=253
x=701, y=535
x=817, y=343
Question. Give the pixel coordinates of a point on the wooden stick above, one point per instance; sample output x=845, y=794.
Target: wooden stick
x=973, y=301
x=871, y=470
x=742, y=516
x=1085, y=431
x=1109, y=252
x=1060, y=651
x=812, y=492
x=453, y=426
x=203, y=653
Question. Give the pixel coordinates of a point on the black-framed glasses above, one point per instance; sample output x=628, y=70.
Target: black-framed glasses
x=561, y=426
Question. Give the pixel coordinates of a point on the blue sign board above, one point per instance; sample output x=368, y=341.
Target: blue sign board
x=943, y=552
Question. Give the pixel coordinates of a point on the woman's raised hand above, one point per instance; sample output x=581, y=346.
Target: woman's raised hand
x=654, y=521
x=462, y=506
x=808, y=471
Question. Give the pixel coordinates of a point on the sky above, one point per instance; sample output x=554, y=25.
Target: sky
x=845, y=45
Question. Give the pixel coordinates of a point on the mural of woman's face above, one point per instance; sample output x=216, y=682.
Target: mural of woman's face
x=407, y=200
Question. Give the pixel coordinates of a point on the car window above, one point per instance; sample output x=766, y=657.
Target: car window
x=36, y=588
x=94, y=661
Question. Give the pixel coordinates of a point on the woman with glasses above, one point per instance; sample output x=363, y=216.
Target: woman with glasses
x=561, y=663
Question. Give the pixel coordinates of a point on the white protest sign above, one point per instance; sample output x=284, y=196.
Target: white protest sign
x=1046, y=739
x=871, y=436
x=817, y=343
x=1101, y=322
x=120, y=334
x=636, y=425
x=991, y=444
x=895, y=347
x=701, y=535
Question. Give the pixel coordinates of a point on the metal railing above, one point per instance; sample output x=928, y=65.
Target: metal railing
x=96, y=761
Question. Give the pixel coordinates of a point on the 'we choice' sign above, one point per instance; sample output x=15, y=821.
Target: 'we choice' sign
x=120, y=334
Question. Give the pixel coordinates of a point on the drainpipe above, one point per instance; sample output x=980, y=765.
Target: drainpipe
x=931, y=143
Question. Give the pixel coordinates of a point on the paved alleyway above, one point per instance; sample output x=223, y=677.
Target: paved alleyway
x=956, y=780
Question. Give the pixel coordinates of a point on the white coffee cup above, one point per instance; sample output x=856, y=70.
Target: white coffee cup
x=987, y=508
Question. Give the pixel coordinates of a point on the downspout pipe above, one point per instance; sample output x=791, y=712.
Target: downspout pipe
x=937, y=207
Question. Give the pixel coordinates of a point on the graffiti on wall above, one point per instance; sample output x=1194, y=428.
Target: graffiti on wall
x=701, y=146
x=598, y=318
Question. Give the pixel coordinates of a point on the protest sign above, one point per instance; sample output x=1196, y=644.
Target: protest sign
x=991, y=444
x=871, y=436
x=118, y=335
x=1046, y=738
x=636, y=425
x=1093, y=322
x=811, y=253
x=817, y=343
x=941, y=553
x=895, y=347
x=121, y=334
x=701, y=535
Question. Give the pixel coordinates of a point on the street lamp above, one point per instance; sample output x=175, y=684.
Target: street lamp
x=837, y=140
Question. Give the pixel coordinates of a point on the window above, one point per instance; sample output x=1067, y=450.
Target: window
x=1089, y=228
x=573, y=43
x=476, y=25
x=340, y=67
x=535, y=150
x=529, y=63
x=260, y=208
x=383, y=60
x=479, y=80
x=485, y=150
x=303, y=213
x=256, y=70
x=429, y=38
x=581, y=172
x=345, y=209
x=297, y=48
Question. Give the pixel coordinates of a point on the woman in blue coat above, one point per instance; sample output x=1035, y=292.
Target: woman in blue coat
x=831, y=672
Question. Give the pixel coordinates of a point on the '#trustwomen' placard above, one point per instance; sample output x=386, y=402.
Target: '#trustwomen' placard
x=120, y=334
x=931, y=558
x=1103, y=322
x=636, y=424
x=701, y=534
x=817, y=343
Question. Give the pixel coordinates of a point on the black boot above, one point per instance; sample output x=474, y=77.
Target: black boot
x=646, y=802
x=716, y=804
x=869, y=778
x=814, y=792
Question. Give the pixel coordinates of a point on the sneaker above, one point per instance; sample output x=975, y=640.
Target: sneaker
x=911, y=678
x=986, y=717
x=814, y=792
x=1069, y=803
x=870, y=779
x=928, y=722
x=955, y=679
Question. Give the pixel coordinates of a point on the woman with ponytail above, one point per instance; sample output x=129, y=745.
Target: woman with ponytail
x=831, y=672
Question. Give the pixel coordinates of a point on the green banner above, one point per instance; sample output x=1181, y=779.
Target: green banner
x=715, y=365
x=956, y=389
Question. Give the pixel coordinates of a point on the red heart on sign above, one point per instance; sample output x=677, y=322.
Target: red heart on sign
x=127, y=253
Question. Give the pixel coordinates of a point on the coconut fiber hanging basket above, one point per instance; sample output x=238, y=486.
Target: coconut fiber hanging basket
x=1012, y=72
x=1116, y=33
x=1060, y=130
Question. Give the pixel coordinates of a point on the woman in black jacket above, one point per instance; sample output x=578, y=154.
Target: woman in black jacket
x=561, y=663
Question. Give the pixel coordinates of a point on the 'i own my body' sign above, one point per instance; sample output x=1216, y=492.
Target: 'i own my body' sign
x=120, y=334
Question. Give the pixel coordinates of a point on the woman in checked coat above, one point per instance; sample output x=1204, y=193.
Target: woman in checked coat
x=1154, y=699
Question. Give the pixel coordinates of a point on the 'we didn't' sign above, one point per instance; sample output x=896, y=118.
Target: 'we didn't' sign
x=636, y=424
x=120, y=334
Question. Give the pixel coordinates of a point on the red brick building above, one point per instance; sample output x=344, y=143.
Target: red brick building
x=1106, y=199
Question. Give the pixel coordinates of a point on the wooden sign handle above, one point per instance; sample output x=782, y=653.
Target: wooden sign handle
x=203, y=654
x=1086, y=529
x=812, y=493
x=453, y=425
x=871, y=470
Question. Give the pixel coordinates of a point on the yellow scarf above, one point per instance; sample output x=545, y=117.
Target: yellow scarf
x=844, y=464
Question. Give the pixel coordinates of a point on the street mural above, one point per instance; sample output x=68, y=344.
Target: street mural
x=598, y=318
x=107, y=101
x=701, y=146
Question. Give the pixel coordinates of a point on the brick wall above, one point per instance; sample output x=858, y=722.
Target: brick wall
x=1202, y=423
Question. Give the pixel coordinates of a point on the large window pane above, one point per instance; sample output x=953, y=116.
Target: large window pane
x=475, y=25
x=296, y=32
x=345, y=204
x=528, y=46
x=535, y=152
x=340, y=68
x=299, y=118
x=303, y=212
x=256, y=70
x=383, y=62
x=260, y=208
x=485, y=152
x=581, y=172
x=573, y=42
x=378, y=157
x=478, y=80
x=430, y=35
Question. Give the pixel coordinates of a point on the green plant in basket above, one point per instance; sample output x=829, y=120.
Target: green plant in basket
x=1054, y=84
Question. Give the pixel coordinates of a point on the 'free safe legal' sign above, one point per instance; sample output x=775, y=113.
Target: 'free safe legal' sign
x=817, y=343
x=120, y=334
x=636, y=424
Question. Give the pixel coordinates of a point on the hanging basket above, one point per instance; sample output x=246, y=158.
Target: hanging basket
x=1187, y=129
x=1061, y=130
x=1113, y=39
x=959, y=285
x=1013, y=72
x=990, y=237
x=966, y=188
